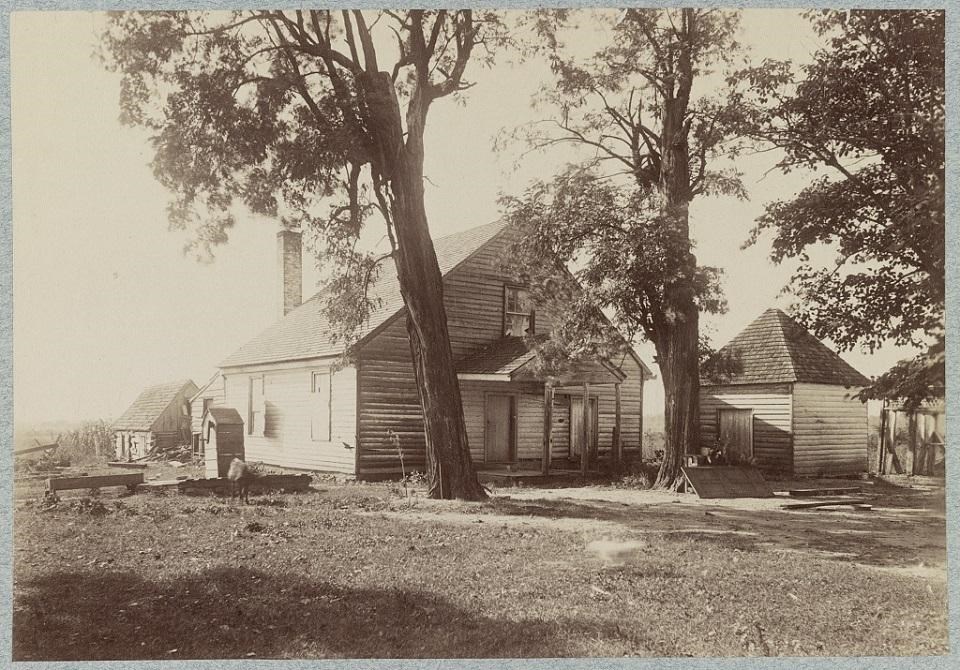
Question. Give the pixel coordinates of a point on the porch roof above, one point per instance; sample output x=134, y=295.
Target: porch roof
x=509, y=358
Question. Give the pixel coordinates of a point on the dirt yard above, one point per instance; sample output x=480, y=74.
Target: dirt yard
x=352, y=570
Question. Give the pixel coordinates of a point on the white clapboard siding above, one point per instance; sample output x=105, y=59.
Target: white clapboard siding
x=215, y=393
x=829, y=430
x=772, y=416
x=287, y=440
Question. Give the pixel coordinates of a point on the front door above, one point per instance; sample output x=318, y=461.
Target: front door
x=576, y=425
x=736, y=434
x=499, y=433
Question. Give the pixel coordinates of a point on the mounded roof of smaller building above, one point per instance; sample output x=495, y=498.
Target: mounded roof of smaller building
x=151, y=403
x=224, y=416
x=776, y=349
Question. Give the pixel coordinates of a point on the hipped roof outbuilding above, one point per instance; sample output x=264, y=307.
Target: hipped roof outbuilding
x=776, y=349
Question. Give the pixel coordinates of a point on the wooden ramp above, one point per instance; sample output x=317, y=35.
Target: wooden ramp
x=727, y=481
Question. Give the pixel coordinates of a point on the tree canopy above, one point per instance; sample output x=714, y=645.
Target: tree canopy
x=315, y=118
x=619, y=217
x=867, y=115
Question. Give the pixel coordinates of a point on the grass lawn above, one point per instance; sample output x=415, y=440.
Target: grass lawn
x=357, y=571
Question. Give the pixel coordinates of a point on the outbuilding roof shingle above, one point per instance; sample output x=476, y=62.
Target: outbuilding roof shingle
x=777, y=349
x=150, y=404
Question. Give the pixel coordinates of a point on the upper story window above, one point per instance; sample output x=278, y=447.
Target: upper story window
x=518, y=314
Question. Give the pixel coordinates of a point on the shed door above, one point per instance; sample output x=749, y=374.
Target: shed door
x=736, y=432
x=498, y=436
x=576, y=425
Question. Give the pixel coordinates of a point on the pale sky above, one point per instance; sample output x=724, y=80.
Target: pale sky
x=105, y=302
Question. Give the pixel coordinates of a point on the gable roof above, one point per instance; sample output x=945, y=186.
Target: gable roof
x=215, y=377
x=151, y=403
x=776, y=349
x=306, y=333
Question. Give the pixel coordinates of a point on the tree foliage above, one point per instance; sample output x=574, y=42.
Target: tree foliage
x=867, y=114
x=649, y=143
x=278, y=112
x=316, y=118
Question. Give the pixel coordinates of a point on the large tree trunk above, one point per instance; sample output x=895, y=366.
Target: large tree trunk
x=449, y=467
x=678, y=360
x=678, y=339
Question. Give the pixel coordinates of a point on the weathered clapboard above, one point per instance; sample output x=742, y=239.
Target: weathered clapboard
x=727, y=481
x=130, y=480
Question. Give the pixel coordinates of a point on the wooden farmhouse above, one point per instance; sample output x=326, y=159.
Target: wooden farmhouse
x=158, y=418
x=207, y=396
x=789, y=404
x=304, y=408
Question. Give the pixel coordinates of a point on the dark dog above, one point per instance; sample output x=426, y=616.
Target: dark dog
x=240, y=476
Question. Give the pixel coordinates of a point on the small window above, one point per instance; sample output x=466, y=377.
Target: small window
x=320, y=423
x=518, y=315
x=257, y=407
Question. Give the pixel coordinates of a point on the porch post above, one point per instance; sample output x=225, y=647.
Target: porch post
x=617, y=442
x=547, y=426
x=585, y=430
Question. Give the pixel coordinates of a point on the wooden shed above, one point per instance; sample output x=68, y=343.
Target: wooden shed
x=157, y=419
x=788, y=404
x=223, y=435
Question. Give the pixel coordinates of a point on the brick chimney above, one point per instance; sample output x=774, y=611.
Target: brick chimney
x=290, y=269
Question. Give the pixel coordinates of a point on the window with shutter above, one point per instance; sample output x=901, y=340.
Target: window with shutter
x=257, y=407
x=320, y=420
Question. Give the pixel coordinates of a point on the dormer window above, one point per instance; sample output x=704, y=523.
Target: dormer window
x=518, y=314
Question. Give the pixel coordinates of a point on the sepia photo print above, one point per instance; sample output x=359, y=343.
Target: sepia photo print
x=478, y=333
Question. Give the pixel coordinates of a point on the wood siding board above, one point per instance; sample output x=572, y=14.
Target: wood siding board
x=772, y=419
x=830, y=430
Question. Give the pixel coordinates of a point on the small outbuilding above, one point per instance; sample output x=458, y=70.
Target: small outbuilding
x=223, y=436
x=159, y=418
x=787, y=403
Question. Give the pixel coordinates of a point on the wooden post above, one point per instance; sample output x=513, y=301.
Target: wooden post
x=892, y=443
x=617, y=442
x=912, y=428
x=585, y=430
x=883, y=437
x=640, y=427
x=547, y=426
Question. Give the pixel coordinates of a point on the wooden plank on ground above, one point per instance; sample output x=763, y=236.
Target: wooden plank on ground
x=812, y=493
x=94, y=482
x=827, y=503
x=125, y=464
x=262, y=482
x=727, y=481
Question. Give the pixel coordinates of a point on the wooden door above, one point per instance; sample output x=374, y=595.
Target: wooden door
x=576, y=425
x=499, y=432
x=736, y=432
